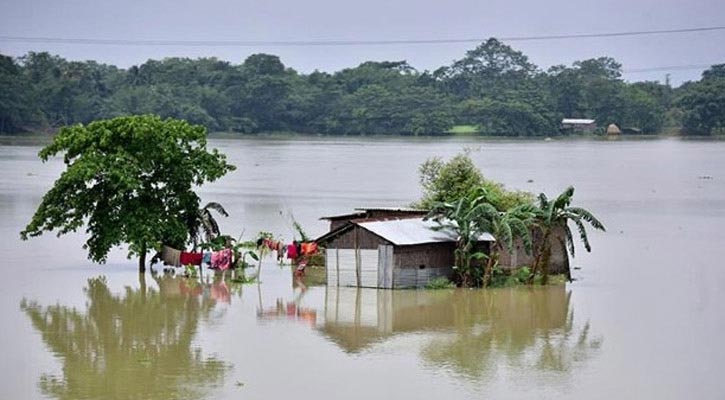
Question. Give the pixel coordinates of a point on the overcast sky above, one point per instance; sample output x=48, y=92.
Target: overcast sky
x=323, y=20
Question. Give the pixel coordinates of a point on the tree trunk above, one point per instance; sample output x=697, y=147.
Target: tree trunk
x=142, y=260
x=545, y=266
x=142, y=285
x=489, y=266
x=487, y=272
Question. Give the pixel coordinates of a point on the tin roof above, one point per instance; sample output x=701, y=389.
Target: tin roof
x=345, y=216
x=413, y=231
x=577, y=121
x=361, y=212
x=394, y=209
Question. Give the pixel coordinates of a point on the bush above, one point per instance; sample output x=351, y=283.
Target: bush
x=439, y=283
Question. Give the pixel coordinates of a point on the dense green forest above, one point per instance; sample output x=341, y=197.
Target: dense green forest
x=494, y=89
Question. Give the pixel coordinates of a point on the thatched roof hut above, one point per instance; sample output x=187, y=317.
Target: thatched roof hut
x=613, y=129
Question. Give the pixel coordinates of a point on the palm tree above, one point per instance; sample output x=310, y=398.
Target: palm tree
x=206, y=226
x=555, y=214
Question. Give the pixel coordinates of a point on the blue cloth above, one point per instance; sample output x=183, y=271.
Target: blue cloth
x=206, y=258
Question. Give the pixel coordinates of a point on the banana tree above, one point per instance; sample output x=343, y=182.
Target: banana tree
x=469, y=217
x=205, y=226
x=557, y=214
x=506, y=227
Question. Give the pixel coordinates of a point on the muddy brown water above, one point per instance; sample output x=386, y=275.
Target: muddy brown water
x=644, y=319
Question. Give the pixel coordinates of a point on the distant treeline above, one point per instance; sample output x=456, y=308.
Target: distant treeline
x=494, y=90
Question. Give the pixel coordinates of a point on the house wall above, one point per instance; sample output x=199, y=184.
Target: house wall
x=365, y=240
x=558, y=263
x=337, y=223
x=414, y=266
x=341, y=267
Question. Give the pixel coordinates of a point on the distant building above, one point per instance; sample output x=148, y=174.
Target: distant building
x=579, y=125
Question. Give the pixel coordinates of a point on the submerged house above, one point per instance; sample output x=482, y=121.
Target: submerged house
x=389, y=252
x=395, y=248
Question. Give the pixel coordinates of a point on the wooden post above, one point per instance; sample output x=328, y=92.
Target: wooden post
x=337, y=265
x=357, y=259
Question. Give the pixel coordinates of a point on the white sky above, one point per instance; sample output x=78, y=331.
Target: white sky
x=280, y=20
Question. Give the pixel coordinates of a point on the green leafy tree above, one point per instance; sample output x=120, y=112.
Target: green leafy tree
x=488, y=70
x=128, y=180
x=448, y=181
x=703, y=103
x=556, y=214
x=16, y=108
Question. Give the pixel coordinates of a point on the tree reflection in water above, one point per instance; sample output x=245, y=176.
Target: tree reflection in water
x=473, y=332
x=131, y=346
x=529, y=329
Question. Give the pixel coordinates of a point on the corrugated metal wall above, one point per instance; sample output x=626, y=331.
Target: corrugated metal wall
x=342, y=264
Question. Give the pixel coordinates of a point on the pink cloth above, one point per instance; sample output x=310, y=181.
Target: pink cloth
x=292, y=251
x=221, y=260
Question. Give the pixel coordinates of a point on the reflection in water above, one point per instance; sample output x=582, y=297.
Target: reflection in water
x=135, y=345
x=290, y=310
x=473, y=331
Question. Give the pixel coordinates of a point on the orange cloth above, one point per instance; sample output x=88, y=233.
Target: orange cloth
x=309, y=248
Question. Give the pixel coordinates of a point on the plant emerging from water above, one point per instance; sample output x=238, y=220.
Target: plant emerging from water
x=462, y=201
x=128, y=180
x=556, y=214
x=440, y=283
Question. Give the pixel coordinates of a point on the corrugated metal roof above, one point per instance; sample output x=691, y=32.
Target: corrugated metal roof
x=413, y=231
x=577, y=121
x=399, y=209
x=345, y=216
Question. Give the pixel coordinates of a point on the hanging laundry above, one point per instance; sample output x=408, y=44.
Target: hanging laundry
x=292, y=251
x=170, y=256
x=221, y=260
x=309, y=248
x=206, y=258
x=281, y=249
x=190, y=258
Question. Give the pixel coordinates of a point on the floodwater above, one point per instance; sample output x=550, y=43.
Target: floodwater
x=644, y=318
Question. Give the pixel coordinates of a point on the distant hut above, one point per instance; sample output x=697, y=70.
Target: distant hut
x=578, y=125
x=613, y=129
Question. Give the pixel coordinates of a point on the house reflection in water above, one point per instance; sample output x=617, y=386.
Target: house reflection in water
x=467, y=328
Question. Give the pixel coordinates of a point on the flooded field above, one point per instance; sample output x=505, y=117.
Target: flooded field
x=644, y=319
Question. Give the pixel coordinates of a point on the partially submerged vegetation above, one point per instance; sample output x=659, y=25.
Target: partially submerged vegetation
x=461, y=199
x=129, y=180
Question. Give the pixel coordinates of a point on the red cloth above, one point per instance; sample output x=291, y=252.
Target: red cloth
x=190, y=258
x=292, y=251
